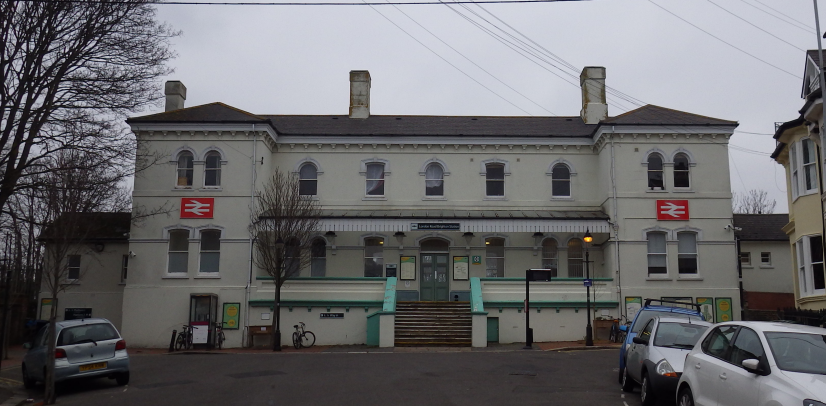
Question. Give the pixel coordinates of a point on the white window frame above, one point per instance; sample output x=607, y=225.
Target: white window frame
x=696, y=253
x=178, y=169
x=809, y=168
x=747, y=261
x=661, y=171
x=486, y=240
x=647, y=262
x=769, y=255
x=442, y=179
x=300, y=179
x=314, y=258
x=805, y=268
x=218, y=170
x=168, y=233
x=201, y=251
x=376, y=259
x=554, y=259
x=70, y=267
x=124, y=268
x=569, y=180
x=686, y=171
x=572, y=261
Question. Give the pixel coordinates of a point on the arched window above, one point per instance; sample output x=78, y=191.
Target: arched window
x=178, y=251
x=318, y=267
x=375, y=180
x=550, y=256
x=495, y=179
x=434, y=246
x=210, y=251
x=657, y=258
x=494, y=257
x=308, y=180
x=292, y=258
x=434, y=180
x=575, y=268
x=681, y=172
x=373, y=256
x=655, y=172
x=185, y=170
x=561, y=181
x=212, y=169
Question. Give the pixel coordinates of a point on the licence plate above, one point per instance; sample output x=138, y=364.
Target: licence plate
x=92, y=367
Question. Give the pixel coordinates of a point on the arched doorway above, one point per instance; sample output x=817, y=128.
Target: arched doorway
x=434, y=284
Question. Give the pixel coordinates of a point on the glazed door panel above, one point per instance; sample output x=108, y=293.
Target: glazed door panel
x=434, y=277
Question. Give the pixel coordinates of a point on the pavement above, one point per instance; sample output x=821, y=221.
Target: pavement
x=13, y=393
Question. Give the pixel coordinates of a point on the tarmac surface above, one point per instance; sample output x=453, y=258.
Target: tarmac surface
x=548, y=374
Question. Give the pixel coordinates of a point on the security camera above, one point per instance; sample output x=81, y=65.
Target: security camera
x=132, y=254
x=728, y=227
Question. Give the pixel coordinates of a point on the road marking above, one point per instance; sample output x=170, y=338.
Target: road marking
x=11, y=381
x=626, y=403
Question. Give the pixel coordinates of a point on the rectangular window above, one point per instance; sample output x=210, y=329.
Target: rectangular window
x=124, y=265
x=810, y=267
x=793, y=162
x=657, y=260
x=318, y=265
x=495, y=180
x=808, y=161
x=375, y=179
x=210, y=251
x=494, y=257
x=178, y=251
x=745, y=258
x=373, y=257
x=74, y=267
x=687, y=253
x=766, y=258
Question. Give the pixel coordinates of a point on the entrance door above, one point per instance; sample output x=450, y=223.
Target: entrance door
x=434, y=284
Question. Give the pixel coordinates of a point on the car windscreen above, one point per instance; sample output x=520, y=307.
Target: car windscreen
x=678, y=335
x=798, y=352
x=82, y=334
x=645, y=315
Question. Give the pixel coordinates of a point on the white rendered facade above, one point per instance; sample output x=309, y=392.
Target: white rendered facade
x=605, y=191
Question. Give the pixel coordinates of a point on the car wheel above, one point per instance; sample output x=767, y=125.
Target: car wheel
x=28, y=383
x=628, y=384
x=646, y=391
x=122, y=378
x=685, y=398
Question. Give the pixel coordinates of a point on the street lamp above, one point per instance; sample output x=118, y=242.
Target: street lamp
x=589, y=339
x=279, y=247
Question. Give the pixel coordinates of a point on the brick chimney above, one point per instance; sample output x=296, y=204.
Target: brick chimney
x=594, y=106
x=359, y=94
x=175, y=95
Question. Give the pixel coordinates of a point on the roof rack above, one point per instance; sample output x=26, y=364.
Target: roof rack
x=648, y=302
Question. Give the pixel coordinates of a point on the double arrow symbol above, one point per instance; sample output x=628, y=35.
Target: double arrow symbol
x=672, y=209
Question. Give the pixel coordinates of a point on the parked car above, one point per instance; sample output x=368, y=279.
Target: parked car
x=756, y=363
x=647, y=312
x=655, y=359
x=87, y=348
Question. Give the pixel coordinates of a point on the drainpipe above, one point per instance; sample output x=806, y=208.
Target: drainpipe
x=615, y=226
x=247, y=289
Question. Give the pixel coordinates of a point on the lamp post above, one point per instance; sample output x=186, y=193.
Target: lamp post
x=589, y=339
x=276, y=340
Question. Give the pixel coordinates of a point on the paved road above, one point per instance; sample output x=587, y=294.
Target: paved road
x=375, y=378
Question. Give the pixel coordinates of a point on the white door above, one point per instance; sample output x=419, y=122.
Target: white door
x=741, y=387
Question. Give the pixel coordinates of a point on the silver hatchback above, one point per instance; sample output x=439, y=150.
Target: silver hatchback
x=87, y=348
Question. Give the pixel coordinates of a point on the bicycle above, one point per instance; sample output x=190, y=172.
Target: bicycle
x=302, y=338
x=219, y=335
x=184, y=340
x=616, y=334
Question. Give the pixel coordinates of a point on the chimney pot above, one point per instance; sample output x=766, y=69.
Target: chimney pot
x=360, y=94
x=175, y=95
x=594, y=106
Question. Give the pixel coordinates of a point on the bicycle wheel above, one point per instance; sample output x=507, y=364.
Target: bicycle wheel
x=220, y=339
x=296, y=342
x=180, y=342
x=189, y=340
x=308, y=339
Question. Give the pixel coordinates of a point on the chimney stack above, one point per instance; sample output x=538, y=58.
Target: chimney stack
x=175, y=95
x=594, y=106
x=359, y=94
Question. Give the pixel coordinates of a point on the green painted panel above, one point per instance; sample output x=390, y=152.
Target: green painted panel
x=551, y=304
x=493, y=329
x=373, y=330
x=390, y=295
x=264, y=278
x=317, y=303
x=476, y=295
x=522, y=279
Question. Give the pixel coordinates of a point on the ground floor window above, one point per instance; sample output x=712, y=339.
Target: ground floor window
x=811, y=280
x=494, y=257
x=657, y=259
x=373, y=257
x=318, y=265
x=687, y=253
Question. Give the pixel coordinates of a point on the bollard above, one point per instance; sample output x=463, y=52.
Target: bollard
x=172, y=341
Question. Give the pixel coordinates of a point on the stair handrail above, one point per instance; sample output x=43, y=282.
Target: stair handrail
x=390, y=295
x=476, y=304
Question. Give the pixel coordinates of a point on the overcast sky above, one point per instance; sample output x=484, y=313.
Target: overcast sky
x=296, y=60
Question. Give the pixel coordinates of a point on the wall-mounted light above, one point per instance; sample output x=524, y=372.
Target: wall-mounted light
x=400, y=238
x=99, y=247
x=537, y=239
x=468, y=236
x=331, y=238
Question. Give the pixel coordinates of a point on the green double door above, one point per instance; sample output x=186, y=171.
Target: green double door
x=434, y=278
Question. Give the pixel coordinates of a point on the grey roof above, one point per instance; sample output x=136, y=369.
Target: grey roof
x=464, y=214
x=761, y=227
x=656, y=115
x=96, y=226
x=409, y=125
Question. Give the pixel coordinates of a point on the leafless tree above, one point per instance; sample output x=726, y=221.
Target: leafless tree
x=81, y=186
x=283, y=225
x=71, y=71
x=755, y=201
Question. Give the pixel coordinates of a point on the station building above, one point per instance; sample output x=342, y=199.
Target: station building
x=432, y=208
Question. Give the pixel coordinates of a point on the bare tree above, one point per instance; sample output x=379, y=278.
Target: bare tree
x=283, y=225
x=71, y=71
x=81, y=186
x=755, y=201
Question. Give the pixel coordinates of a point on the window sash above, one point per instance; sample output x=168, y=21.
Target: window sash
x=124, y=267
x=185, y=170
x=73, y=270
x=766, y=258
x=657, y=256
x=745, y=258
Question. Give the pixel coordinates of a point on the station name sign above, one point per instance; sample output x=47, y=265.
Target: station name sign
x=435, y=226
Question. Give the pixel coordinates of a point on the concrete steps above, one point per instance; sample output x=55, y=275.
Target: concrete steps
x=433, y=323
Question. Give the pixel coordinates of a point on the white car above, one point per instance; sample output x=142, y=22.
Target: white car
x=756, y=363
